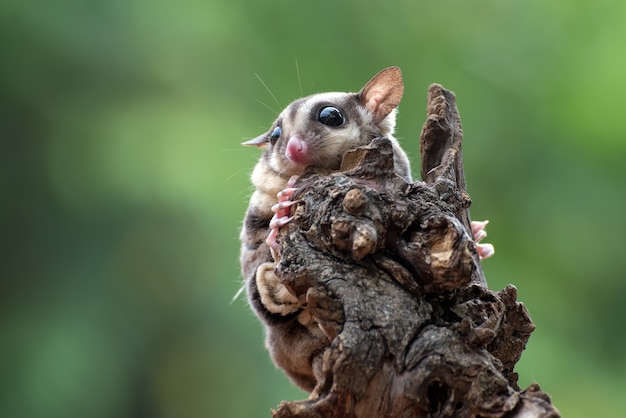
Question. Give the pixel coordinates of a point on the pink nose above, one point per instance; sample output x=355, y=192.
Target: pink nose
x=297, y=150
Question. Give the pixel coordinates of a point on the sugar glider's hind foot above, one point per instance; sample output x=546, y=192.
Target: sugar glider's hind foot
x=478, y=231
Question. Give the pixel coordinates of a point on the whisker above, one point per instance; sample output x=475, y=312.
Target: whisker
x=299, y=80
x=234, y=174
x=239, y=292
x=267, y=106
x=268, y=89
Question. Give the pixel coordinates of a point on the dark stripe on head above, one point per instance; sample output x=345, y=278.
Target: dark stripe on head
x=293, y=109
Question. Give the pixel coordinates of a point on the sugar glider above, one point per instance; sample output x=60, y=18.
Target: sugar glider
x=312, y=131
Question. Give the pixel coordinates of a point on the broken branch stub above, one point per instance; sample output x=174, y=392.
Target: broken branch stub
x=389, y=272
x=442, y=159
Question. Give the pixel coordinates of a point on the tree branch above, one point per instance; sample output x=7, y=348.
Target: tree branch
x=389, y=272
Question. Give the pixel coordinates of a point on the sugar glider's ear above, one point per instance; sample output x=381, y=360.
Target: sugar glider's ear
x=260, y=141
x=382, y=94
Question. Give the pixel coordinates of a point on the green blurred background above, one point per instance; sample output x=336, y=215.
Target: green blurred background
x=123, y=185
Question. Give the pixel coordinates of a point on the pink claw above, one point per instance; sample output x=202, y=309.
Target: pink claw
x=273, y=244
x=283, y=207
x=478, y=229
x=277, y=222
x=485, y=250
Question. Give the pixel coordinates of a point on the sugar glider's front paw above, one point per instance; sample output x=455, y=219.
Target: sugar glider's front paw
x=274, y=295
x=282, y=216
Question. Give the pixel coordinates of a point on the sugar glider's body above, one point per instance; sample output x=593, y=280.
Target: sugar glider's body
x=312, y=131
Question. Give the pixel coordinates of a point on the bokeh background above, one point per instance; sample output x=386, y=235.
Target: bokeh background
x=123, y=185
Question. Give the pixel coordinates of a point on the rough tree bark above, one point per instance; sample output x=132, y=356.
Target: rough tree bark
x=390, y=273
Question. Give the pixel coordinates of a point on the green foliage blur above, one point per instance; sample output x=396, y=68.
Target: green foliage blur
x=123, y=185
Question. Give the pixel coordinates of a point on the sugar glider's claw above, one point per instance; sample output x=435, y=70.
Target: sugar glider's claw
x=478, y=229
x=485, y=250
x=286, y=194
x=292, y=181
x=282, y=209
x=273, y=244
x=276, y=223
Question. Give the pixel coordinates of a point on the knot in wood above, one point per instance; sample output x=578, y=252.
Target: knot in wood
x=355, y=202
x=358, y=238
x=364, y=241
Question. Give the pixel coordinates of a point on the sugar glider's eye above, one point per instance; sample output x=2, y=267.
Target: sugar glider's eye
x=331, y=116
x=275, y=134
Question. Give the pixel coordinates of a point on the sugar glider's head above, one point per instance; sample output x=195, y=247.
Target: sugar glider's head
x=317, y=130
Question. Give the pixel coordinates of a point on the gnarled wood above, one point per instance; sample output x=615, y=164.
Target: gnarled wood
x=389, y=272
